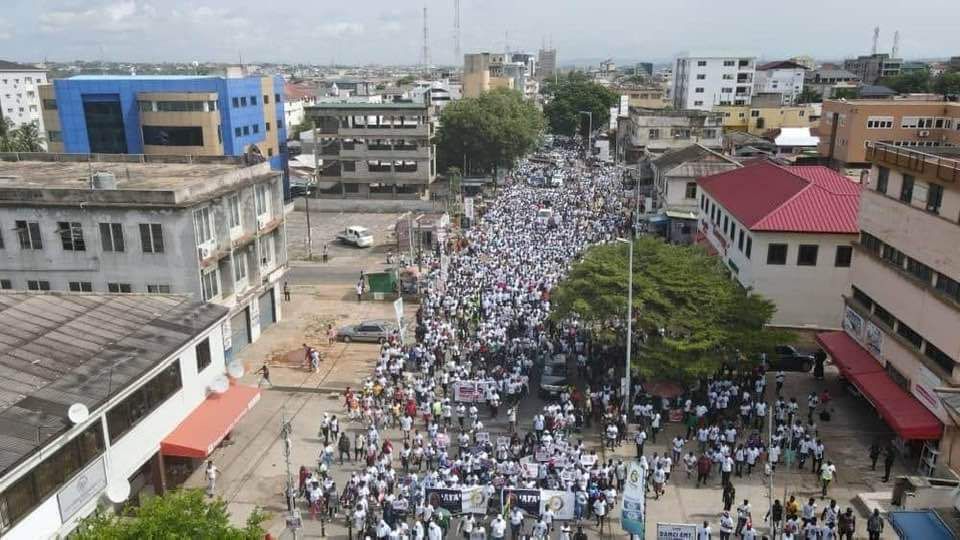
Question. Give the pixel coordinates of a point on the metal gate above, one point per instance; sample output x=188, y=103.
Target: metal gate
x=267, y=314
x=240, y=331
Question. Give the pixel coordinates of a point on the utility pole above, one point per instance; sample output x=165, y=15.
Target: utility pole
x=293, y=514
x=773, y=533
x=306, y=194
x=426, y=45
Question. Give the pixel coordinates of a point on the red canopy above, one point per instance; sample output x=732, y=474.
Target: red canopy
x=903, y=412
x=210, y=422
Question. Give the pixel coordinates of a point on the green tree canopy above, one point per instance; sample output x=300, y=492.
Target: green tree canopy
x=908, y=83
x=574, y=93
x=491, y=131
x=947, y=84
x=844, y=93
x=707, y=318
x=809, y=95
x=25, y=138
x=178, y=514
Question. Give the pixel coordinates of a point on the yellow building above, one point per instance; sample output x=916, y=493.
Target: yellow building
x=758, y=120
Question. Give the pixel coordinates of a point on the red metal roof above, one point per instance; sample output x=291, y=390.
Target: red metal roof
x=765, y=196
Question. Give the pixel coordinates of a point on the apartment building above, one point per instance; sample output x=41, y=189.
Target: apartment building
x=703, y=81
x=783, y=77
x=900, y=344
x=826, y=81
x=213, y=229
x=109, y=398
x=785, y=232
x=847, y=126
x=648, y=133
x=871, y=68
x=760, y=118
x=374, y=150
x=646, y=97
x=20, y=94
x=547, y=63
x=168, y=115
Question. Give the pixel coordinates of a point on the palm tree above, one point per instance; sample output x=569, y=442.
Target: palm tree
x=6, y=131
x=25, y=138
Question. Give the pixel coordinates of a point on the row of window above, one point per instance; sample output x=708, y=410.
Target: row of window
x=928, y=349
x=726, y=63
x=52, y=473
x=241, y=131
x=894, y=257
x=934, y=191
x=178, y=106
x=243, y=101
x=928, y=122
x=744, y=242
x=86, y=286
x=72, y=238
x=807, y=255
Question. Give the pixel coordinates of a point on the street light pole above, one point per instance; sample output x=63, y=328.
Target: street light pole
x=626, y=372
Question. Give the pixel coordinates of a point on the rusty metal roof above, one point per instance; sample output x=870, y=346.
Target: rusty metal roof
x=57, y=349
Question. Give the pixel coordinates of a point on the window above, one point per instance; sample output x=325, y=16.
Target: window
x=870, y=243
x=939, y=357
x=698, y=90
x=697, y=103
x=151, y=237
x=211, y=285
x=202, y=351
x=266, y=99
x=201, y=225
x=256, y=128
x=50, y=104
x=173, y=135
x=119, y=287
x=233, y=211
x=726, y=223
x=701, y=76
x=749, y=246
x=236, y=102
x=892, y=255
x=726, y=90
x=243, y=101
x=948, y=286
x=654, y=134
x=157, y=288
x=691, y=190
x=879, y=122
x=883, y=315
x=843, y=257
x=807, y=255
x=80, y=286
x=49, y=475
x=919, y=270
x=754, y=113
x=740, y=241
x=883, y=178
x=269, y=152
x=268, y=127
x=777, y=254
x=144, y=400
x=906, y=189
x=276, y=98
x=29, y=234
x=253, y=100
x=701, y=63
x=71, y=236
x=733, y=231
x=907, y=333
x=261, y=196
x=934, y=198
x=237, y=131
x=6, y=284
x=729, y=63
x=54, y=136
x=38, y=285
x=863, y=298
x=266, y=251
x=111, y=237
x=246, y=130
x=179, y=106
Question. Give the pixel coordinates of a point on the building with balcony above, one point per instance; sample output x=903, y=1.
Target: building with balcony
x=785, y=233
x=648, y=133
x=375, y=150
x=108, y=399
x=701, y=81
x=20, y=94
x=900, y=344
x=871, y=68
x=784, y=78
x=212, y=228
x=846, y=126
x=762, y=117
x=168, y=115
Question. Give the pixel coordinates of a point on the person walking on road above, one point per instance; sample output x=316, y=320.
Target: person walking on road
x=888, y=458
x=360, y=291
x=847, y=524
x=264, y=372
x=875, y=525
x=874, y=455
x=211, y=475
x=726, y=525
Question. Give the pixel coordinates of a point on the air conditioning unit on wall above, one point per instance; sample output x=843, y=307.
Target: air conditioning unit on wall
x=261, y=222
x=923, y=133
x=203, y=252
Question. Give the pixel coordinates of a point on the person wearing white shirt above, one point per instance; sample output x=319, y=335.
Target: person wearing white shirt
x=704, y=531
x=498, y=527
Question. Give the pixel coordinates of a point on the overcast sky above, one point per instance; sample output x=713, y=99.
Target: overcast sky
x=390, y=31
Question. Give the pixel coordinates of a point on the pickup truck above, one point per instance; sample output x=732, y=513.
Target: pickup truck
x=357, y=236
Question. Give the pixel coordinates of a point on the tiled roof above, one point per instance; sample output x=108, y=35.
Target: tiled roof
x=768, y=197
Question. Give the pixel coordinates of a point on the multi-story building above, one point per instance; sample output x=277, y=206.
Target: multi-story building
x=847, y=125
x=786, y=233
x=826, y=81
x=760, y=118
x=378, y=150
x=784, y=78
x=702, y=81
x=871, y=68
x=547, y=63
x=648, y=133
x=213, y=229
x=108, y=400
x=483, y=72
x=20, y=94
x=168, y=115
x=901, y=313
x=646, y=97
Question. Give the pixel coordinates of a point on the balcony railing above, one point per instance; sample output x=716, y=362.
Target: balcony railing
x=946, y=169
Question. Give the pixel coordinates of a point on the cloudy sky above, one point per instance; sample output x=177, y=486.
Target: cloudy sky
x=390, y=31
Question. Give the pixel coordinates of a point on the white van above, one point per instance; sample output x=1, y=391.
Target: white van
x=357, y=236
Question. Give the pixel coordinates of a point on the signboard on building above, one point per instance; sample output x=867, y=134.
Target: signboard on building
x=853, y=323
x=83, y=487
x=873, y=339
x=923, y=384
x=676, y=531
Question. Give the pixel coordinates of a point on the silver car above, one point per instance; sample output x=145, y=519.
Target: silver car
x=370, y=331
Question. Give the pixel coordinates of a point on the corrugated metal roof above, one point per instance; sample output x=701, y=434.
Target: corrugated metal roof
x=767, y=197
x=57, y=349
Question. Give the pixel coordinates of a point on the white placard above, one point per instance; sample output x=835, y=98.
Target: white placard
x=561, y=502
x=676, y=531
x=83, y=487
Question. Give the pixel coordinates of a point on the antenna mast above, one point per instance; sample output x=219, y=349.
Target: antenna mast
x=426, y=44
x=457, y=56
x=896, y=44
x=876, y=39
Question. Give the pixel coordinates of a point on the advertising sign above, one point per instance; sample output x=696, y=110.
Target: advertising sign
x=676, y=531
x=873, y=339
x=633, y=514
x=853, y=323
x=561, y=502
x=924, y=383
x=83, y=487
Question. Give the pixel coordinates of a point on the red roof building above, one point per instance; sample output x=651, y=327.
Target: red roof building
x=785, y=232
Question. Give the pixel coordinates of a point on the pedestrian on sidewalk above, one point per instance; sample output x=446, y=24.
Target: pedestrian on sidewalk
x=359, y=290
x=729, y=494
x=775, y=516
x=264, y=376
x=286, y=291
x=726, y=525
x=888, y=458
x=875, y=525
x=324, y=256
x=343, y=447
x=211, y=475
x=847, y=524
x=827, y=470
x=874, y=455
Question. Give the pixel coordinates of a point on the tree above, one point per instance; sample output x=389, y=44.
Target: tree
x=908, y=83
x=177, y=514
x=689, y=316
x=947, y=84
x=490, y=131
x=25, y=138
x=844, y=93
x=307, y=125
x=809, y=95
x=572, y=94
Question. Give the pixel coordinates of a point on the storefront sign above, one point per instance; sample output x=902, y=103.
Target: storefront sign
x=924, y=383
x=633, y=514
x=83, y=487
x=853, y=324
x=676, y=531
x=873, y=339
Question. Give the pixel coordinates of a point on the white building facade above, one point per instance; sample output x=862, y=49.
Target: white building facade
x=19, y=93
x=784, y=78
x=702, y=81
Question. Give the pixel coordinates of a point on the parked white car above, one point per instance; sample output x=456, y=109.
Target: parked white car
x=357, y=236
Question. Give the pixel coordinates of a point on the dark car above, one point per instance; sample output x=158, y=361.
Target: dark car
x=788, y=358
x=552, y=389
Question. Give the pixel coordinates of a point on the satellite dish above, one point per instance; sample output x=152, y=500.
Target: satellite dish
x=77, y=413
x=220, y=384
x=235, y=370
x=118, y=492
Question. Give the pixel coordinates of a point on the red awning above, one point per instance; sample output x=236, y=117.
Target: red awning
x=903, y=412
x=210, y=422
